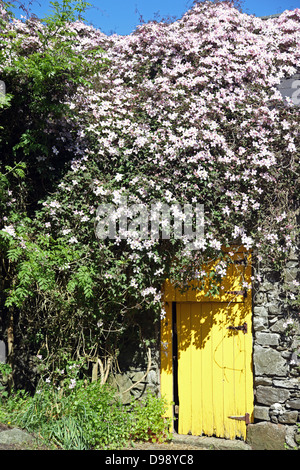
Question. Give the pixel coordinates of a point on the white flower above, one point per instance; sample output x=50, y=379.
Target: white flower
x=201, y=173
x=226, y=210
x=158, y=272
x=246, y=285
x=10, y=230
x=237, y=231
x=291, y=147
x=54, y=204
x=148, y=290
x=118, y=177
x=72, y=383
x=99, y=191
x=200, y=244
x=133, y=283
x=163, y=313
x=73, y=240
x=247, y=242
x=215, y=244
x=117, y=197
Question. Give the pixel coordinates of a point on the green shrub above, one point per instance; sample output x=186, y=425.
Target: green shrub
x=85, y=415
x=148, y=422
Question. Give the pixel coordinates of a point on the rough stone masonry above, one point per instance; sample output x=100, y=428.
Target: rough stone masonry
x=276, y=362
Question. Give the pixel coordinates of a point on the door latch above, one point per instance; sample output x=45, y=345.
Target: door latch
x=243, y=328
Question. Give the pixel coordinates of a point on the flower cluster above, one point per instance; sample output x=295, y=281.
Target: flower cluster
x=190, y=111
x=185, y=112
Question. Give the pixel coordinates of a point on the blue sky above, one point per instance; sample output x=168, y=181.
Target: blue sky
x=122, y=16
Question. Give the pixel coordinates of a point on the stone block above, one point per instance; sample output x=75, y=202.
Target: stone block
x=268, y=362
x=152, y=378
x=121, y=382
x=137, y=376
x=266, y=436
x=261, y=413
x=278, y=326
x=270, y=395
x=288, y=417
x=267, y=339
x=262, y=381
x=290, y=437
x=266, y=286
x=291, y=274
x=294, y=404
x=277, y=409
x=287, y=383
x=260, y=323
x=260, y=311
x=273, y=308
x=15, y=436
x=259, y=298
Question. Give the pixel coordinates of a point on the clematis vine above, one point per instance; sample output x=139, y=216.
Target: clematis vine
x=185, y=112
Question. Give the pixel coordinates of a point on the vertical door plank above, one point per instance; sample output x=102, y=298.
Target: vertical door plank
x=184, y=367
x=166, y=368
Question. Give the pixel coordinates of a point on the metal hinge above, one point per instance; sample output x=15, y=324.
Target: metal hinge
x=240, y=261
x=243, y=328
x=245, y=418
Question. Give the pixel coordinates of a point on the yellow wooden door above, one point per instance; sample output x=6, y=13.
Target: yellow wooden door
x=213, y=359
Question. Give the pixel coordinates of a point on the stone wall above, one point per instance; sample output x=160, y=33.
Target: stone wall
x=141, y=375
x=276, y=361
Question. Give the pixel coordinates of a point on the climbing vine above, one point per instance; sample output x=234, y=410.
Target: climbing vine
x=175, y=113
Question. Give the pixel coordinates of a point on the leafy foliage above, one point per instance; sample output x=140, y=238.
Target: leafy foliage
x=76, y=414
x=178, y=113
